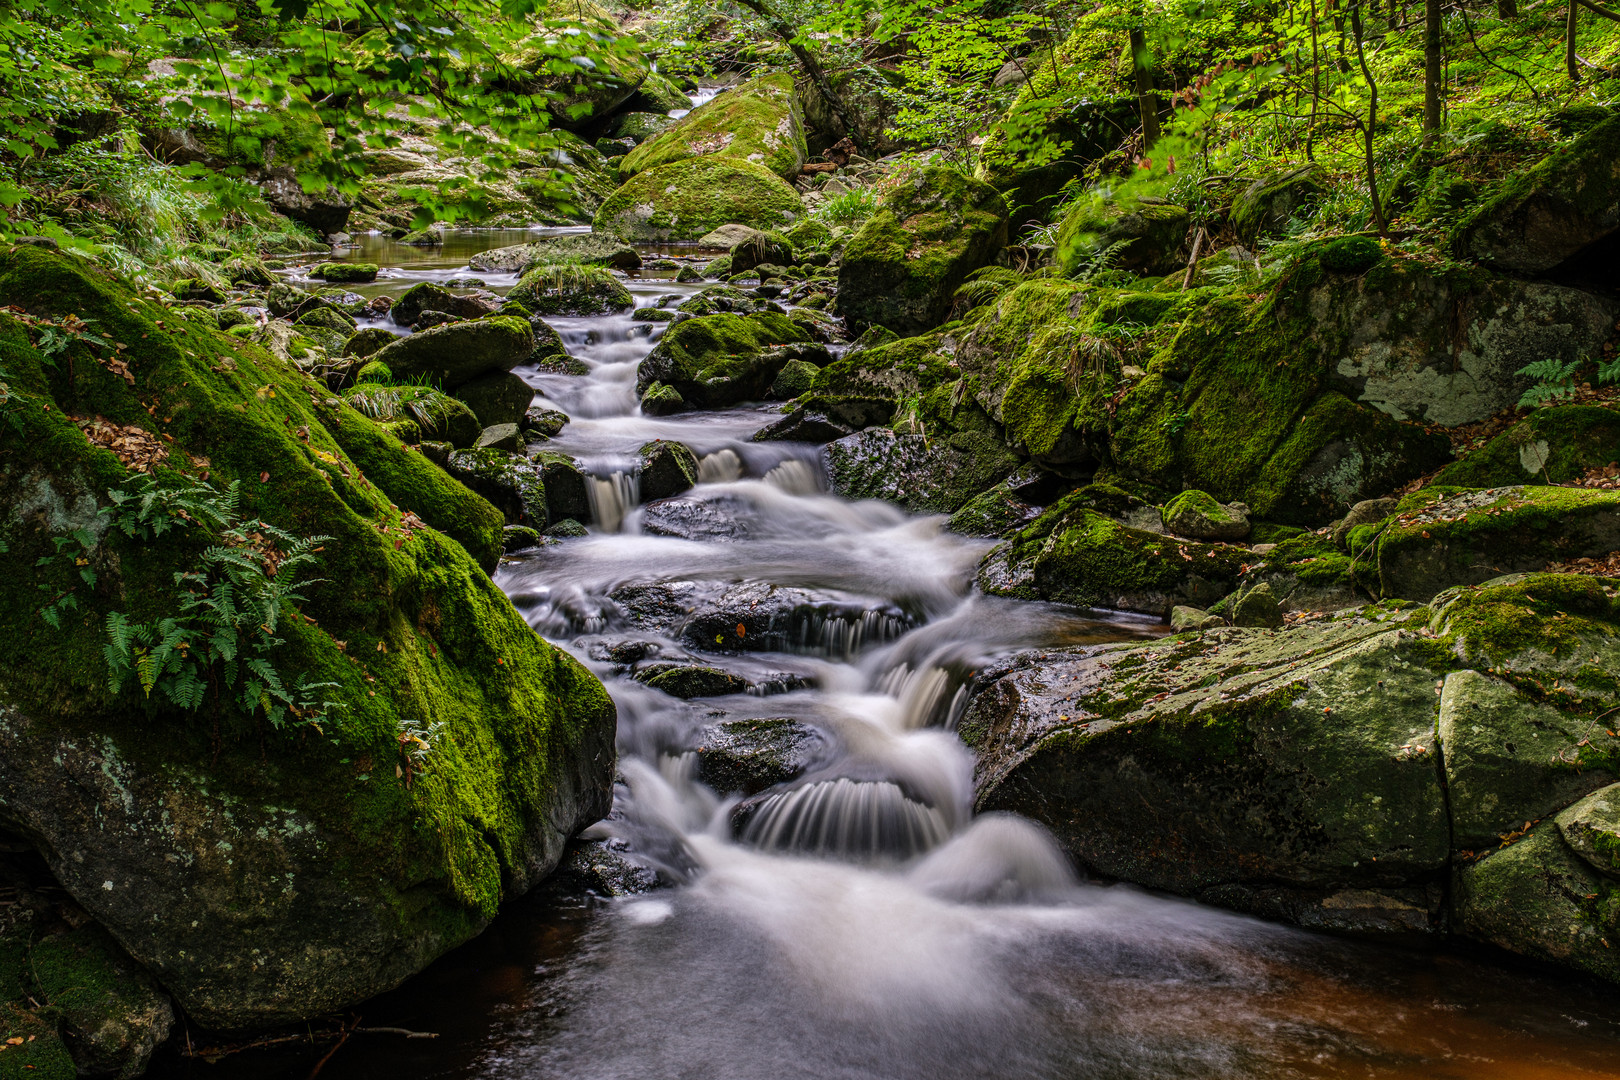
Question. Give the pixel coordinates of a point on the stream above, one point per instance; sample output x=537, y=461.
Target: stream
x=861, y=921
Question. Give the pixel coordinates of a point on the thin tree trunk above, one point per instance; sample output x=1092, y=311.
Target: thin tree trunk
x=1370, y=128
x=1570, y=63
x=1147, y=105
x=1507, y=9
x=812, y=69
x=1431, y=66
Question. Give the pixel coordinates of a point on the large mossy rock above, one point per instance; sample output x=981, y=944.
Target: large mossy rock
x=113, y=1015
x=1149, y=239
x=927, y=476
x=901, y=269
x=689, y=198
x=587, y=249
x=1265, y=207
x=1307, y=773
x=571, y=289
x=457, y=353
x=1075, y=555
x=1553, y=214
x=265, y=874
x=759, y=121
x=717, y=360
x=1553, y=445
x=1440, y=538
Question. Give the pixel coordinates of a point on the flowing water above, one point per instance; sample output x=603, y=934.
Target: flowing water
x=860, y=921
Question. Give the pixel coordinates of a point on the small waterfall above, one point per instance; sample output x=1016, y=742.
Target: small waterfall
x=795, y=477
x=720, y=467
x=851, y=818
x=612, y=497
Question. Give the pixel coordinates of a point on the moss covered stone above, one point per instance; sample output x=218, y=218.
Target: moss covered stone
x=902, y=268
x=720, y=360
x=760, y=121
x=926, y=475
x=502, y=398
x=346, y=271
x=686, y=199
x=267, y=875
x=1147, y=239
x=1541, y=217
x=1553, y=445
x=1591, y=828
x=586, y=249
x=456, y=353
x=513, y=484
x=438, y=416
x=1265, y=207
x=113, y=1015
x=1198, y=515
x=571, y=289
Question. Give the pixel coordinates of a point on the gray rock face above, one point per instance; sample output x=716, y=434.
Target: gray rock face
x=926, y=475
x=588, y=249
x=513, y=484
x=326, y=212
x=745, y=757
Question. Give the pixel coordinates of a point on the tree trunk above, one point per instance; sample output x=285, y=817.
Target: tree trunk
x=1507, y=9
x=812, y=69
x=1570, y=63
x=1147, y=105
x=1370, y=128
x=1432, y=74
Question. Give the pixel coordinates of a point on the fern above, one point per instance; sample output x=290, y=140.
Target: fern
x=1554, y=381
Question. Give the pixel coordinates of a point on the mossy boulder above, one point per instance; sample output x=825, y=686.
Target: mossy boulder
x=113, y=1015
x=367, y=341
x=1553, y=445
x=586, y=249
x=513, y=484
x=760, y=122
x=667, y=469
x=1265, y=207
x=758, y=249
x=571, y=289
x=265, y=874
x=747, y=756
x=501, y=398
x=1148, y=239
x=658, y=96
x=1440, y=539
x=1564, y=208
x=1591, y=828
x=718, y=360
x=1196, y=514
x=451, y=355
x=346, y=271
x=686, y=199
x=1078, y=556
x=933, y=476
x=437, y=415
x=904, y=265
x=39, y=1053
x=429, y=296
x=638, y=126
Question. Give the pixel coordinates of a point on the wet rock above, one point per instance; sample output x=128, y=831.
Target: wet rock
x=744, y=757
x=624, y=652
x=824, y=418
x=1591, y=828
x=795, y=378
x=430, y=318
x=657, y=607
x=547, y=422
x=604, y=868
x=571, y=289
x=454, y=355
x=1183, y=619
x=720, y=360
x=586, y=249
x=755, y=617
x=685, y=200
x=549, y=352
x=501, y=398
x=1076, y=555
x=709, y=520
x=1199, y=516
x=515, y=485
x=367, y=341
x=518, y=538
x=427, y=296
x=902, y=267
x=687, y=681
x=993, y=512
x=760, y=122
x=660, y=399
x=759, y=249
x=567, y=529
x=667, y=468
x=924, y=475
x=566, y=486
x=1257, y=607
x=346, y=272
x=499, y=437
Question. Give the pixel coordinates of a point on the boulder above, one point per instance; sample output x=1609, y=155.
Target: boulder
x=571, y=289
x=1550, y=446
x=366, y=341
x=658, y=96
x=719, y=360
x=933, y=476
x=759, y=121
x=1149, y=239
x=566, y=486
x=326, y=211
x=744, y=757
x=1075, y=555
x=1265, y=207
x=427, y=296
x=667, y=468
x=760, y=248
x=457, y=353
x=687, y=199
x=902, y=268
x=727, y=236
x=1553, y=216
x=500, y=437
x=1257, y=607
x=437, y=415
x=1591, y=828
x=502, y=398
x=512, y=483
x=638, y=127
x=587, y=249
x=1197, y=515
x=687, y=681
x=345, y=271
x=261, y=873
x=113, y=1015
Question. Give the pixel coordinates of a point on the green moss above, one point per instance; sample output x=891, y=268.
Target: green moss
x=1547, y=614
x=718, y=360
x=1350, y=254
x=688, y=199
x=40, y=1055
x=571, y=289
x=408, y=626
x=269, y=137
x=759, y=121
x=1555, y=444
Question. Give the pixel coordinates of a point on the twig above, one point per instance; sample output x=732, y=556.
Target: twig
x=406, y=1032
x=1192, y=263
x=343, y=1038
